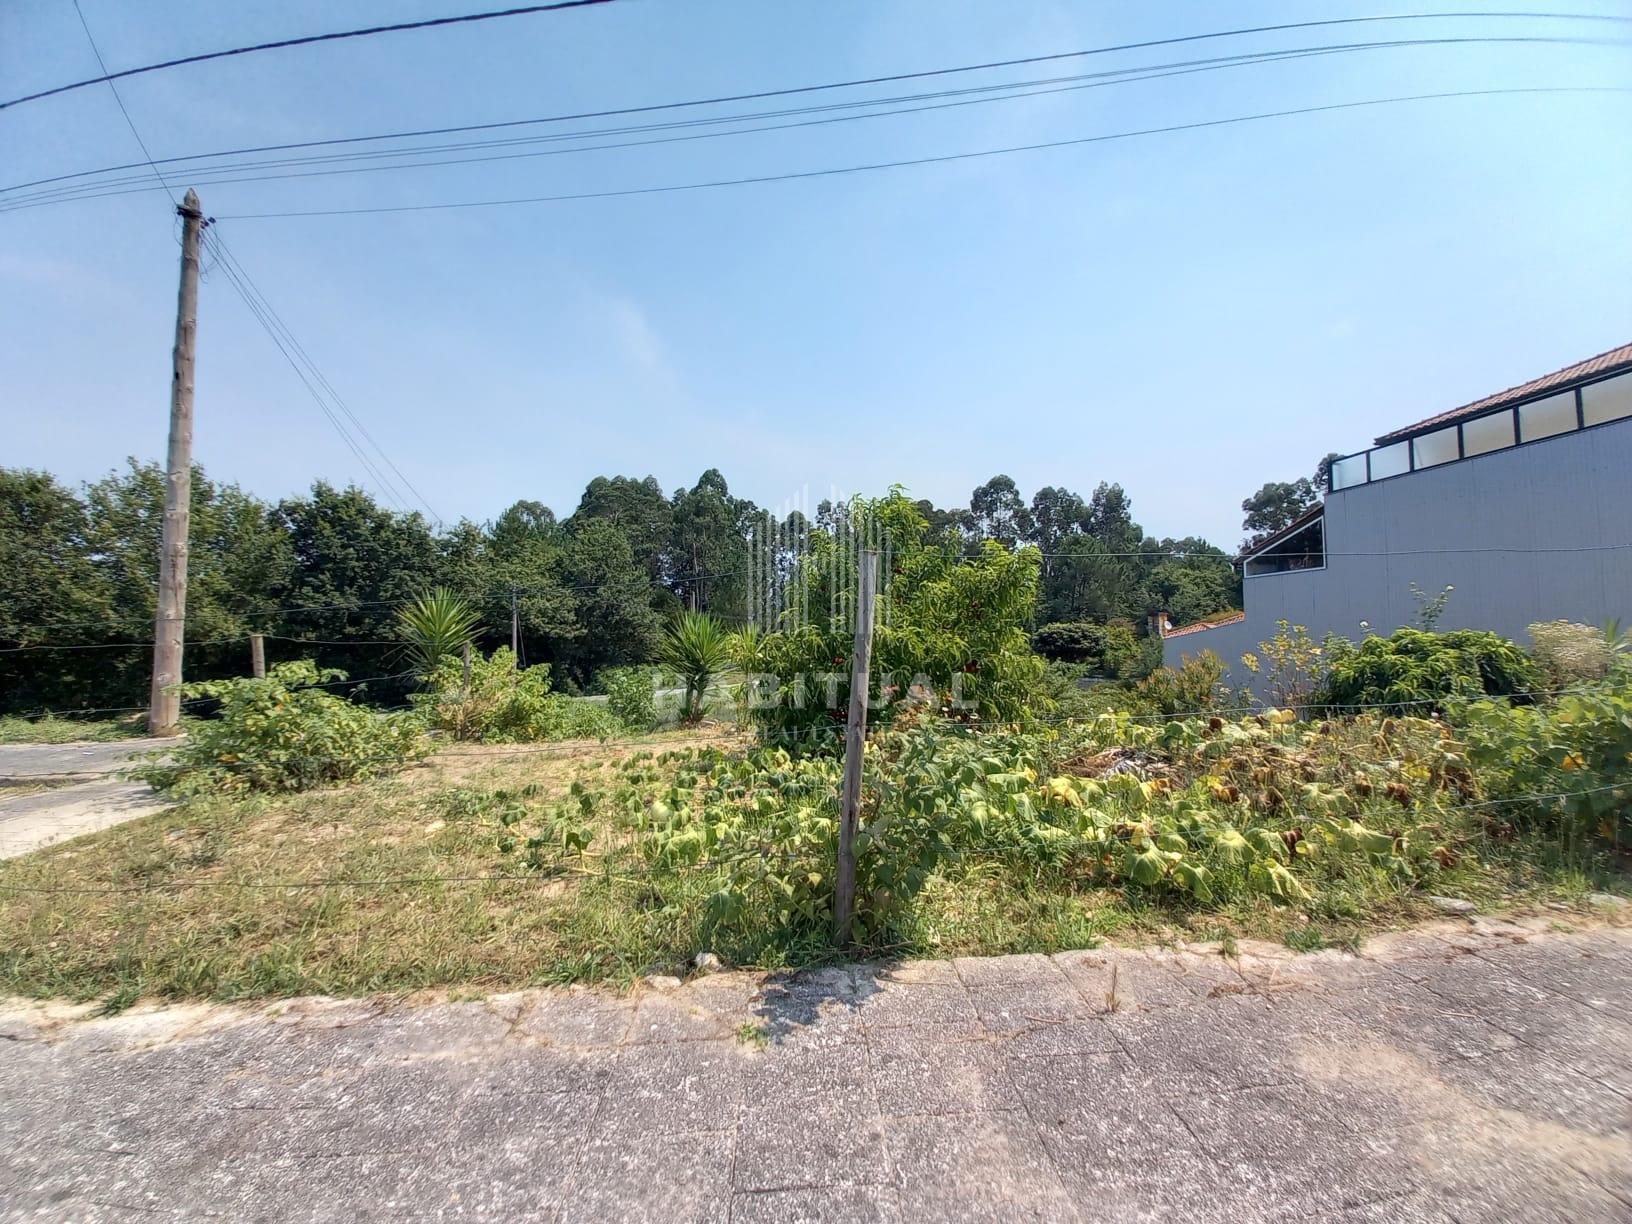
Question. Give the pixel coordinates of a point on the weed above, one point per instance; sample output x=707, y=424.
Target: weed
x=1306, y=939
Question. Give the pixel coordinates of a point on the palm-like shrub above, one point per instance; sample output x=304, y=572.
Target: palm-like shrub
x=697, y=647
x=436, y=625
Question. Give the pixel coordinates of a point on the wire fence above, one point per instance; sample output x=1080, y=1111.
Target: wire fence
x=546, y=873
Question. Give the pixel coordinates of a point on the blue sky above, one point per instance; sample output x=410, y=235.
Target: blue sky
x=1189, y=314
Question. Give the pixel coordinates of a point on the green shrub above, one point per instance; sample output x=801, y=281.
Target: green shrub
x=950, y=631
x=1567, y=654
x=284, y=734
x=1111, y=648
x=1417, y=671
x=698, y=648
x=1070, y=693
x=1195, y=686
x=631, y=696
x=504, y=704
x=436, y=625
x=1576, y=753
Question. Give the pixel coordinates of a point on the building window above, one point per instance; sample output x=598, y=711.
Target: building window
x=1485, y=434
x=1304, y=549
x=1610, y=400
x=1545, y=418
x=1433, y=449
x=1390, y=460
x=1346, y=473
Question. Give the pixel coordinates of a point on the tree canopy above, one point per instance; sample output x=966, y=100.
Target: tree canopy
x=325, y=573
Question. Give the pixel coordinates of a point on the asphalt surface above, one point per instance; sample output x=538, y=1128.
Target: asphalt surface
x=1477, y=1071
x=93, y=799
x=19, y=762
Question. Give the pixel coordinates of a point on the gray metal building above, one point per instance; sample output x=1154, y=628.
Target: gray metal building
x=1521, y=501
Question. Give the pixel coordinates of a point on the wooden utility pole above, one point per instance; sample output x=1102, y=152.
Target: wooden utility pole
x=169, y=626
x=257, y=655
x=515, y=630
x=855, y=743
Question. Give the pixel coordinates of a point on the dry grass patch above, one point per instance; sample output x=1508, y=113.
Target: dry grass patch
x=390, y=885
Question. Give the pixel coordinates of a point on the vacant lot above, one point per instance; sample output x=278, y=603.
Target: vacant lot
x=493, y=868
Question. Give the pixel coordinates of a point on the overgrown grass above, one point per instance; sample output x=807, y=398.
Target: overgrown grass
x=400, y=884
x=50, y=730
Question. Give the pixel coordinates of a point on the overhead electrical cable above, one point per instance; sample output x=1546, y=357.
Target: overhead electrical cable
x=939, y=159
x=230, y=173
x=302, y=41
x=237, y=267
x=317, y=386
x=791, y=91
x=129, y=122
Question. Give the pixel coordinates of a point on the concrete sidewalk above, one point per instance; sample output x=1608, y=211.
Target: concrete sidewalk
x=1473, y=1072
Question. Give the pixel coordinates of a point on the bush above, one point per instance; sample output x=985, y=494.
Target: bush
x=284, y=734
x=1195, y=686
x=1575, y=750
x=1068, y=698
x=631, y=696
x=950, y=633
x=1417, y=671
x=504, y=704
x=1291, y=665
x=1567, y=654
x=1110, y=648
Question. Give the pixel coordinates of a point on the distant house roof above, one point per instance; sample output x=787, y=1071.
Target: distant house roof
x=1298, y=524
x=1603, y=363
x=1218, y=622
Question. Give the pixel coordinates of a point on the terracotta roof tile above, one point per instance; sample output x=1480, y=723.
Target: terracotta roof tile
x=1237, y=618
x=1603, y=363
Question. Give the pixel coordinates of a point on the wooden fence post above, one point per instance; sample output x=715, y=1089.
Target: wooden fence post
x=855, y=743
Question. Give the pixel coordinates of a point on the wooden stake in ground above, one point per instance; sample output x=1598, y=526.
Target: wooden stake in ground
x=169, y=626
x=257, y=655
x=855, y=742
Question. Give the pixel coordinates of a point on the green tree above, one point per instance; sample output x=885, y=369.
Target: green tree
x=355, y=563
x=1279, y=503
x=708, y=550
x=998, y=512
x=614, y=621
x=527, y=554
x=639, y=509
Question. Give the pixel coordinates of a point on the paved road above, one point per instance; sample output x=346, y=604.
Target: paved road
x=1479, y=1072
x=23, y=761
x=31, y=821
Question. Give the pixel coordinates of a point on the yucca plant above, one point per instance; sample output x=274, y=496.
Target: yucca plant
x=437, y=624
x=697, y=647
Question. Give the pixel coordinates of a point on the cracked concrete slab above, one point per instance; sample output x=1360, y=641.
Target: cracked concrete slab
x=1465, y=1072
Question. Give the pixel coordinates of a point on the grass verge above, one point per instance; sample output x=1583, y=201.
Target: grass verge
x=51, y=730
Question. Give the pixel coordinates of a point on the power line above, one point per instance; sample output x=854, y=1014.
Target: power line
x=351, y=163
x=129, y=122
x=760, y=95
x=308, y=372
x=939, y=159
x=340, y=403
x=304, y=40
